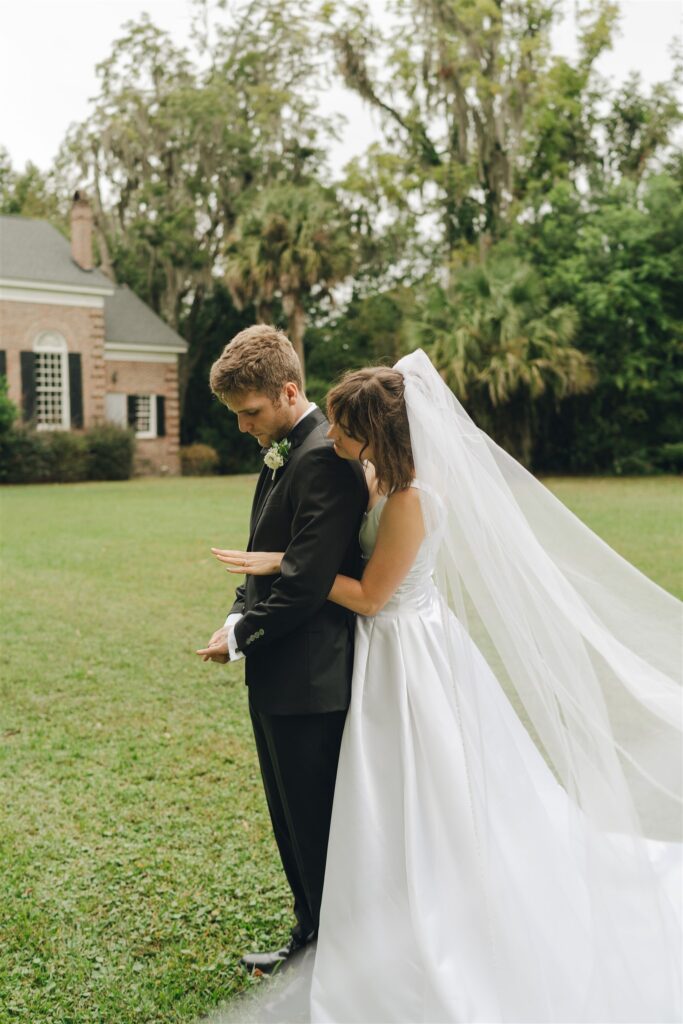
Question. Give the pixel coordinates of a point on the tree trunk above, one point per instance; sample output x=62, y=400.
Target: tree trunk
x=187, y=363
x=526, y=441
x=296, y=322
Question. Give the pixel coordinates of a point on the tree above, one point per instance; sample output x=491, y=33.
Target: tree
x=9, y=413
x=617, y=256
x=30, y=193
x=205, y=419
x=369, y=331
x=639, y=127
x=292, y=241
x=173, y=154
x=475, y=109
x=500, y=347
x=137, y=155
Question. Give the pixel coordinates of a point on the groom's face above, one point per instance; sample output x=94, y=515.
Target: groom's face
x=262, y=417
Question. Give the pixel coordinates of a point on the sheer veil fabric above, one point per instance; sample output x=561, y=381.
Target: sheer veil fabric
x=506, y=832
x=591, y=646
x=588, y=649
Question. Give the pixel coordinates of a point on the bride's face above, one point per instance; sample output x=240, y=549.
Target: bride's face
x=347, y=447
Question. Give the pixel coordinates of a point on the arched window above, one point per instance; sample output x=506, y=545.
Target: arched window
x=52, y=382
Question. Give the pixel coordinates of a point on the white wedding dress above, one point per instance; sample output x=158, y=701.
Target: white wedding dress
x=457, y=882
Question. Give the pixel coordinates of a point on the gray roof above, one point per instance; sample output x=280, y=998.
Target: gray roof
x=32, y=250
x=128, y=320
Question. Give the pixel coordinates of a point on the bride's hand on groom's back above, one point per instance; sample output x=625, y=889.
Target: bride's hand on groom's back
x=252, y=563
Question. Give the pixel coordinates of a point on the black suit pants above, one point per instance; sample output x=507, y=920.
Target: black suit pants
x=298, y=755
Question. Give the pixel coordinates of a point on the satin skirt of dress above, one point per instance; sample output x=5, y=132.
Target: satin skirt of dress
x=427, y=915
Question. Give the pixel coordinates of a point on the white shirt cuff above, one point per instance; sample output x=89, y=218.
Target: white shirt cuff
x=230, y=623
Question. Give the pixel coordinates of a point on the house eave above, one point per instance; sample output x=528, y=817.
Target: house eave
x=54, y=286
x=122, y=351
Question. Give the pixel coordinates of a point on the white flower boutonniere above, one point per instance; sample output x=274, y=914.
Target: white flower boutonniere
x=277, y=455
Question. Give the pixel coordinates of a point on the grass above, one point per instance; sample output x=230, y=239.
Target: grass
x=136, y=856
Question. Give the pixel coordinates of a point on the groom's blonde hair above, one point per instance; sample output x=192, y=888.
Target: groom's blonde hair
x=260, y=358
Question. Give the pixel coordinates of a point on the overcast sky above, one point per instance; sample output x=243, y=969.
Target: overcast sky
x=49, y=49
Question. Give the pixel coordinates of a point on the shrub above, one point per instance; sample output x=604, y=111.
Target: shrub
x=66, y=456
x=57, y=456
x=669, y=457
x=198, y=460
x=24, y=457
x=637, y=463
x=110, y=452
x=35, y=457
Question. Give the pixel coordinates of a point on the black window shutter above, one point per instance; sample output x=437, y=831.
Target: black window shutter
x=76, y=389
x=161, y=416
x=28, y=384
x=3, y=363
x=132, y=410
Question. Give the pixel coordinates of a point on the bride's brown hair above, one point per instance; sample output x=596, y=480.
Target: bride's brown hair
x=369, y=406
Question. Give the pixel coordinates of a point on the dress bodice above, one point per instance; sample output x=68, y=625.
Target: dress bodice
x=417, y=586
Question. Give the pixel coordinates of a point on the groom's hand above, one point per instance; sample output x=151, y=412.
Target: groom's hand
x=217, y=649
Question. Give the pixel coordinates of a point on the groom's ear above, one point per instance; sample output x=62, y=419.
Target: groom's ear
x=290, y=393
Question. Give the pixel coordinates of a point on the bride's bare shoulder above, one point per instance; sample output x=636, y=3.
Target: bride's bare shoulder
x=405, y=510
x=407, y=499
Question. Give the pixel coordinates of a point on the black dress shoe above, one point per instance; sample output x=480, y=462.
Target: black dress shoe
x=267, y=963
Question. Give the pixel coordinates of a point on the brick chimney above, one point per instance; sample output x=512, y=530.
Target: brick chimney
x=81, y=231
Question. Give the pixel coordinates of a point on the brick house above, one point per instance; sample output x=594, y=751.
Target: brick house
x=79, y=350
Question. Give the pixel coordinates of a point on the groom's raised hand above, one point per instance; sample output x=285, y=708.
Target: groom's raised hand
x=217, y=649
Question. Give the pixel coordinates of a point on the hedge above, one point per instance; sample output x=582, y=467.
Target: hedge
x=57, y=456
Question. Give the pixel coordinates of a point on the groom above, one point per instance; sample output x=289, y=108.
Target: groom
x=298, y=646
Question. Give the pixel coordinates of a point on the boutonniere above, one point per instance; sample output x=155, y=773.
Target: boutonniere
x=277, y=455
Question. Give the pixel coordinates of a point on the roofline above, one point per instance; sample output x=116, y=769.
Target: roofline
x=53, y=286
x=131, y=346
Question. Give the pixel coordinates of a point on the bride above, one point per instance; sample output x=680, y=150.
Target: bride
x=506, y=834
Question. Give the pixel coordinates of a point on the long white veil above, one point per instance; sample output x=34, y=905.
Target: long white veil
x=588, y=650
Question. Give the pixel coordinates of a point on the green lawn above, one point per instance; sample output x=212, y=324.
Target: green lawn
x=135, y=852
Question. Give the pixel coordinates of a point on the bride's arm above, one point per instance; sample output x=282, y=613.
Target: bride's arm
x=401, y=531
x=400, y=534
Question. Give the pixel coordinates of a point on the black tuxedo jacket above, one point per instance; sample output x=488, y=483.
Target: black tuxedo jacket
x=298, y=645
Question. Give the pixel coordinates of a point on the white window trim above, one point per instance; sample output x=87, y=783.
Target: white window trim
x=53, y=342
x=147, y=435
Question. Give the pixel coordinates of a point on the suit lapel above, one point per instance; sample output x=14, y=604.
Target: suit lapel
x=263, y=488
x=265, y=485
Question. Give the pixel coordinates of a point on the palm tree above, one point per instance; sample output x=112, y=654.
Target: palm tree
x=293, y=241
x=500, y=347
